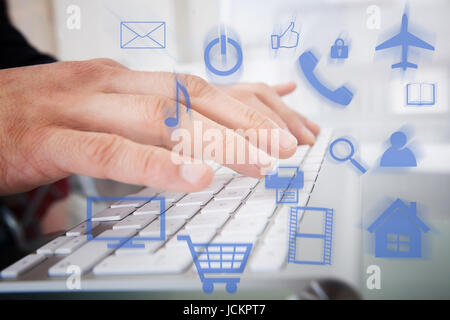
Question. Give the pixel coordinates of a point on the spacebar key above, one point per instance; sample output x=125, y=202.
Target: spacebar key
x=90, y=254
x=166, y=261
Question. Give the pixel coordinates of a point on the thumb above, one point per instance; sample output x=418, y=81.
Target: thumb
x=291, y=27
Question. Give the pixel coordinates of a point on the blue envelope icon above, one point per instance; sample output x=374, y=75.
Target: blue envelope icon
x=142, y=35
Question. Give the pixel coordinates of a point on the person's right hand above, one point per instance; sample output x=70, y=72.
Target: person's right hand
x=100, y=119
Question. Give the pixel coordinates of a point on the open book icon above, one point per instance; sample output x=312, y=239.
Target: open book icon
x=420, y=94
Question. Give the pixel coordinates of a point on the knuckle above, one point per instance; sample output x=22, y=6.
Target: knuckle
x=153, y=109
x=197, y=86
x=152, y=168
x=255, y=119
x=93, y=70
x=100, y=150
x=91, y=67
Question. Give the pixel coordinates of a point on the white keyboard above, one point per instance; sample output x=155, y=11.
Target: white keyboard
x=233, y=209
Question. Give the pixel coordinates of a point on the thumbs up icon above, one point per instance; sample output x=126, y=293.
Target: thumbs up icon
x=288, y=39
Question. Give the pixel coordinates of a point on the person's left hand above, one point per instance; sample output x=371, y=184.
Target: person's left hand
x=267, y=100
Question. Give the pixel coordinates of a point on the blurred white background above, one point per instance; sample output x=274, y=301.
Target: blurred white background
x=378, y=107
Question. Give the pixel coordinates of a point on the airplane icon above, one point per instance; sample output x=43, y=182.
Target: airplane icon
x=404, y=39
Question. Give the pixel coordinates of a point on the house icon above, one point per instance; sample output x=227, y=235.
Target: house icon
x=398, y=232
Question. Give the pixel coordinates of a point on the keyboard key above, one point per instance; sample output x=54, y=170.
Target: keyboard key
x=241, y=238
x=268, y=260
x=255, y=209
x=49, y=248
x=278, y=229
x=171, y=196
x=276, y=236
x=197, y=236
x=70, y=246
x=250, y=226
x=232, y=194
x=22, y=266
x=290, y=162
x=149, y=247
x=242, y=182
x=262, y=197
x=313, y=160
x=301, y=150
x=205, y=221
x=260, y=187
x=195, y=199
x=222, y=178
x=135, y=221
x=303, y=199
x=128, y=203
x=307, y=187
x=153, y=207
x=113, y=214
x=183, y=212
x=166, y=261
x=311, y=167
x=154, y=229
x=212, y=189
x=89, y=254
x=225, y=170
x=310, y=176
x=221, y=206
x=317, y=153
x=81, y=229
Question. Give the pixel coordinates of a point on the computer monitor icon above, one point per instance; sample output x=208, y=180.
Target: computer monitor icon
x=115, y=242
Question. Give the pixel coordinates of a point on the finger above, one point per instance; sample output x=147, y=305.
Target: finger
x=206, y=99
x=284, y=88
x=251, y=100
x=142, y=119
x=107, y=156
x=303, y=129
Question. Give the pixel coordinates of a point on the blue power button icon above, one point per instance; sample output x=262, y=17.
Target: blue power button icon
x=223, y=51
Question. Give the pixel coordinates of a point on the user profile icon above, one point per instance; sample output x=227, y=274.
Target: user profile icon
x=398, y=155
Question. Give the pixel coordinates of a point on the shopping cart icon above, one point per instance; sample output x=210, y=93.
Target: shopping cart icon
x=218, y=258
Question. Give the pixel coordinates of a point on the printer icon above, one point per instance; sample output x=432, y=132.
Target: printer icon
x=286, y=180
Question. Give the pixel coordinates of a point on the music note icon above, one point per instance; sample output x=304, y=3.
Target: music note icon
x=173, y=121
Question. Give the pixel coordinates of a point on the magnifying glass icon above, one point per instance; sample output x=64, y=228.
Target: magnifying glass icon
x=349, y=155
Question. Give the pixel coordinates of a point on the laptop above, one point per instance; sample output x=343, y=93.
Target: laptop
x=238, y=228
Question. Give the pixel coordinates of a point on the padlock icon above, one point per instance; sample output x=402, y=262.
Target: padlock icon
x=339, y=50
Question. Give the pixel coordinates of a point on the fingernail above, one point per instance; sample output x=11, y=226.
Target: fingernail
x=307, y=136
x=193, y=173
x=287, y=140
x=264, y=169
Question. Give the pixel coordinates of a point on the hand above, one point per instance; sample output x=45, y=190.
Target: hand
x=100, y=119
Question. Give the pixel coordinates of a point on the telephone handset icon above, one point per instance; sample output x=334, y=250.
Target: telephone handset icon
x=341, y=95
